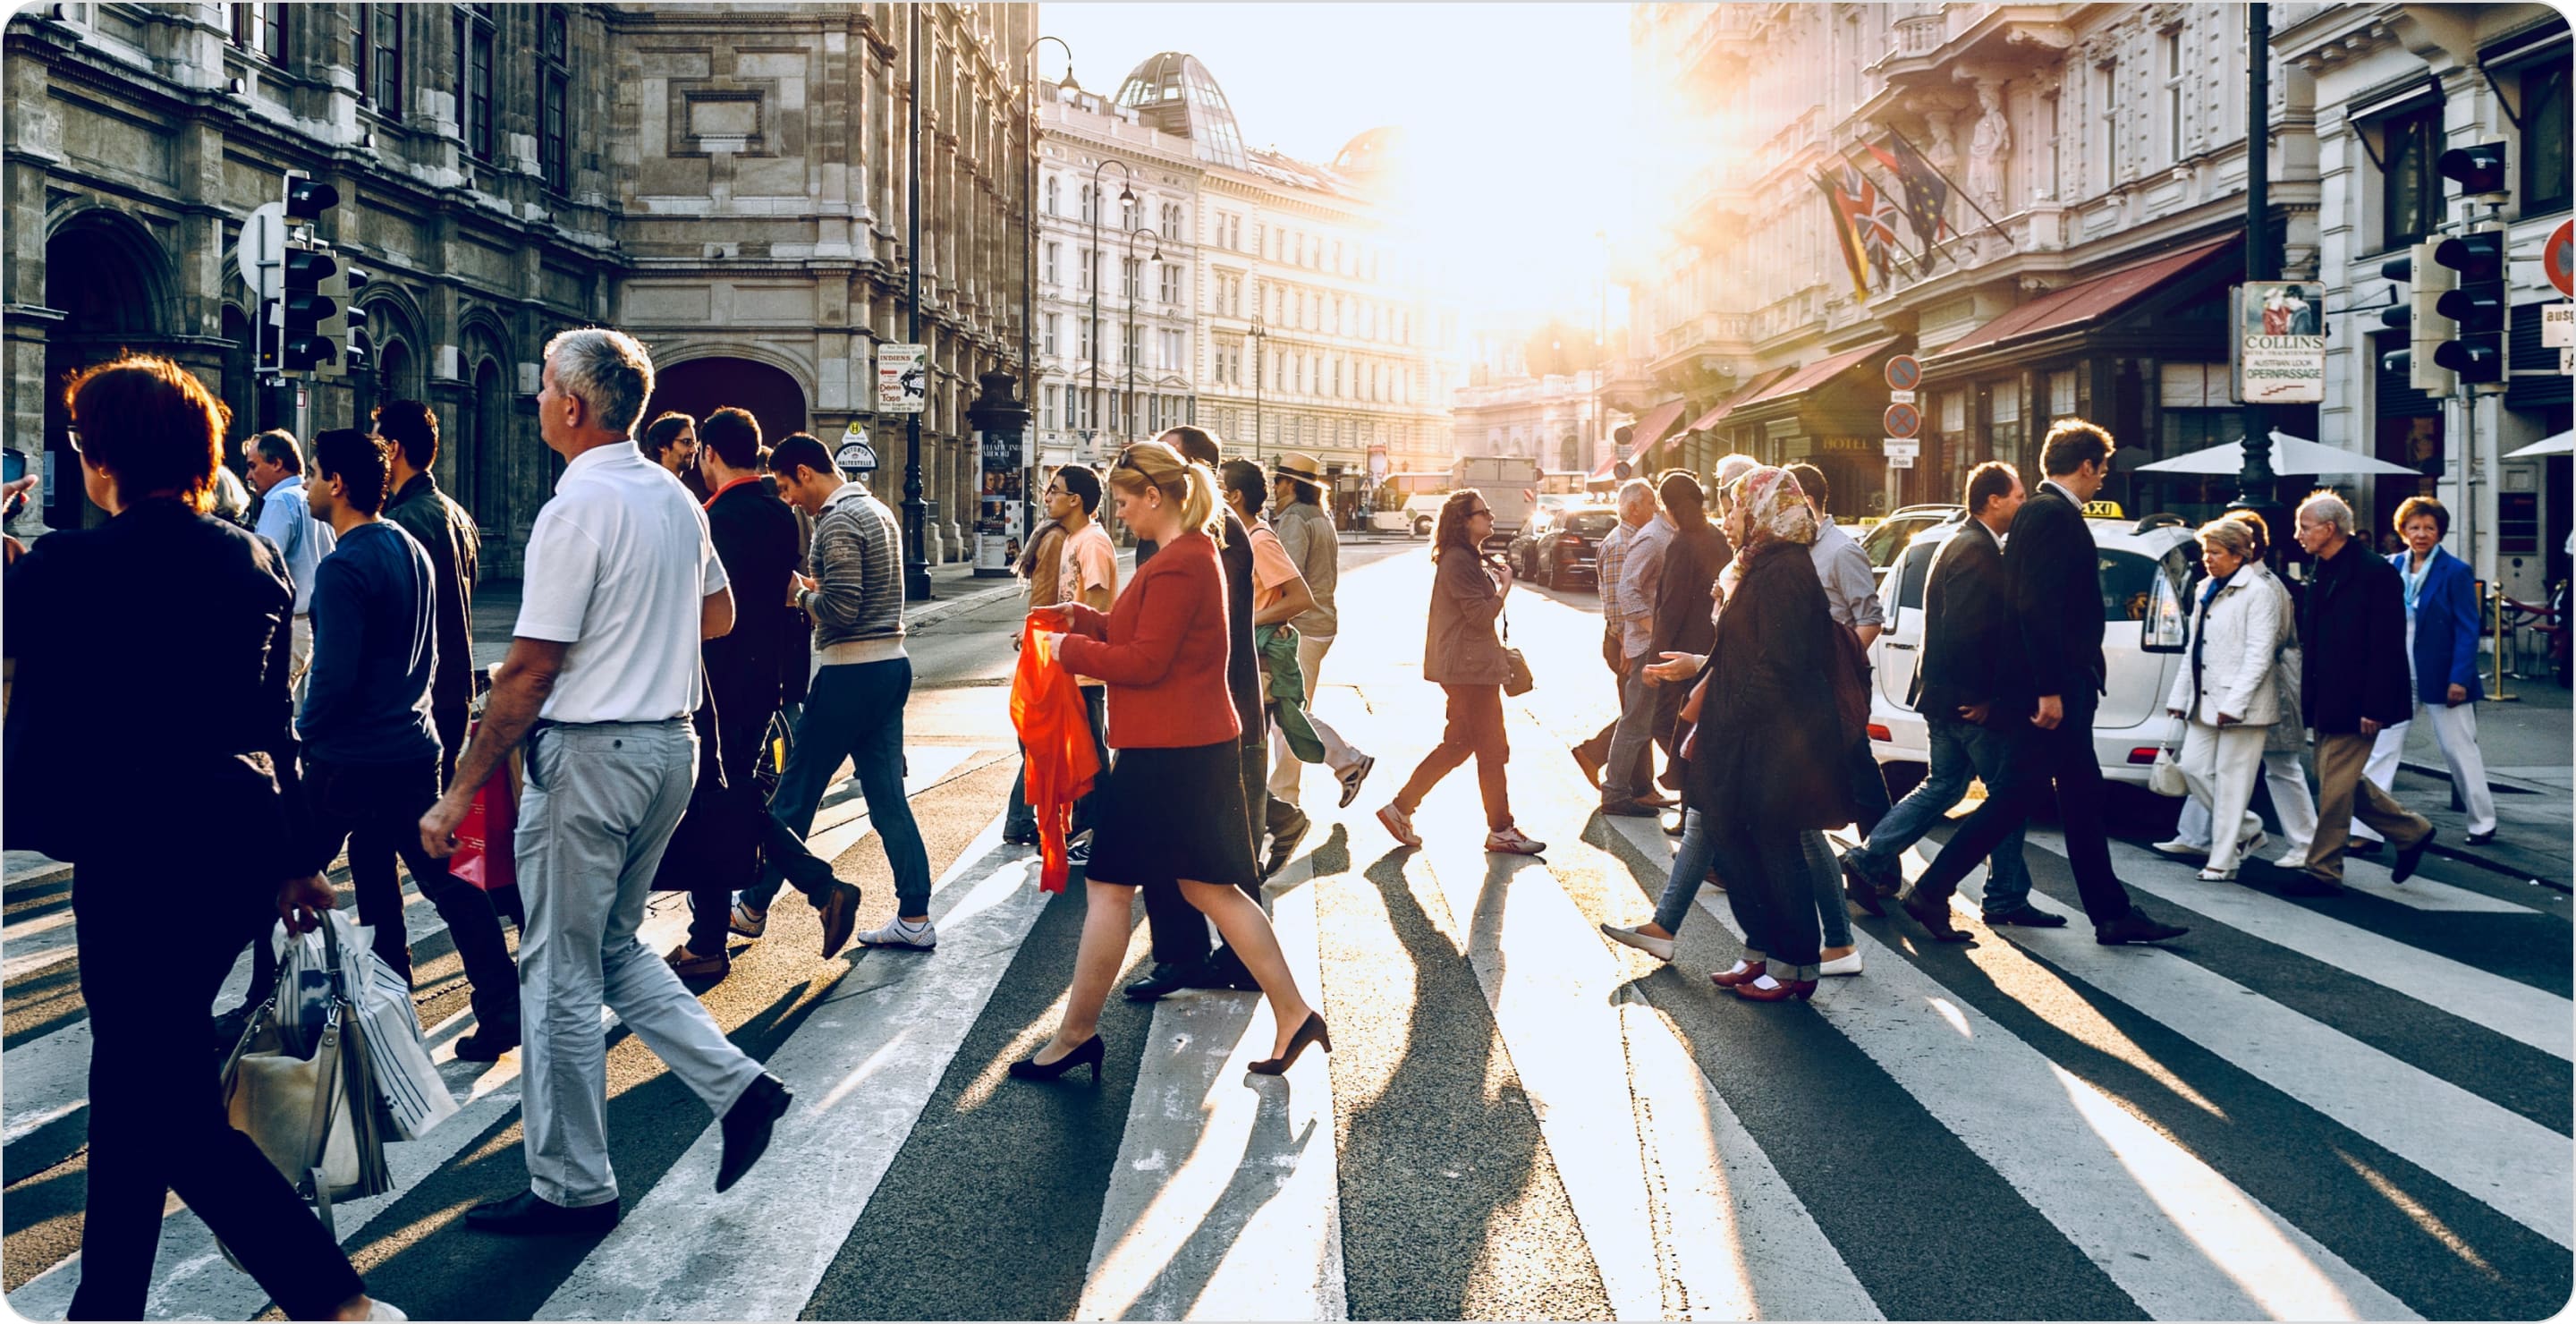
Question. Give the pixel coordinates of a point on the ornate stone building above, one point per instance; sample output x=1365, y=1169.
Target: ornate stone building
x=2096, y=158
x=725, y=181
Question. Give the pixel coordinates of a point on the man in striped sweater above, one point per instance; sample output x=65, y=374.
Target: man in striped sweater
x=853, y=589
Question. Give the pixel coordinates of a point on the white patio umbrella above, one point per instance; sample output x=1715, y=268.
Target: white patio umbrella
x=2290, y=455
x=2562, y=444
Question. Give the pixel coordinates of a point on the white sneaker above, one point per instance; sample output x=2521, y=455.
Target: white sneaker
x=1509, y=841
x=748, y=923
x=1399, y=825
x=921, y=937
x=1841, y=965
x=2180, y=849
x=382, y=1310
x=2296, y=857
x=1659, y=948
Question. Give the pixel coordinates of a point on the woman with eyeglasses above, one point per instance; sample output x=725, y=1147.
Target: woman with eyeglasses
x=1171, y=814
x=153, y=650
x=1763, y=744
x=1463, y=656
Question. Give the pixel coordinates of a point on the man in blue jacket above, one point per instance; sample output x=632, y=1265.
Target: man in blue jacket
x=2442, y=654
x=2353, y=686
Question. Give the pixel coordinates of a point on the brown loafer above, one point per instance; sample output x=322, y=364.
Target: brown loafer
x=840, y=913
x=689, y=965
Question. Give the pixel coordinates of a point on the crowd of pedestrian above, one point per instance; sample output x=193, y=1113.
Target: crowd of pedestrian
x=711, y=625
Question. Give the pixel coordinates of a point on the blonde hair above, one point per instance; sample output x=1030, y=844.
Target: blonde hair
x=1192, y=486
x=2231, y=535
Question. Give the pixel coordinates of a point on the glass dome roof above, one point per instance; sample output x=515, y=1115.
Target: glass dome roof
x=1176, y=94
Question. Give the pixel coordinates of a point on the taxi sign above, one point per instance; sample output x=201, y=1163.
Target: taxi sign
x=2104, y=510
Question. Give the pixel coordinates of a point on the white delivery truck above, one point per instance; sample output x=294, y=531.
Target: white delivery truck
x=1510, y=484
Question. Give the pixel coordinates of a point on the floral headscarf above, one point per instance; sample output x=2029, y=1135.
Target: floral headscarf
x=1778, y=507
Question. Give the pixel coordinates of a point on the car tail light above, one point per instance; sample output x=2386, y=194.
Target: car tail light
x=2143, y=755
x=1881, y=734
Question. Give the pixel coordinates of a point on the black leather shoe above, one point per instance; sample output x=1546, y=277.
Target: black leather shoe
x=747, y=1125
x=1934, y=916
x=1162, y=982
x=529, y=1215
x=1222, y=970
x=2481, y=838
x=2137, y=926
x=485, y=1046
x=2028, y=917
x=1283, y=844
x=2410, y=856
x=1859, y=889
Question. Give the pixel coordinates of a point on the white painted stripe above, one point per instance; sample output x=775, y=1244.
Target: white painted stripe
x=2179, y=1238
x=2523, y=1169
x=1556, y=990
x=1225, y=1200
x=2509, y=1007
x=864, y=1063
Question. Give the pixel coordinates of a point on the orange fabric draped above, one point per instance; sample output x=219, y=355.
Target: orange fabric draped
x=1055, y=738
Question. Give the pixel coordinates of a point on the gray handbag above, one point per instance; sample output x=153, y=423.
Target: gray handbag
x=1517, y=677
x=315, y=1113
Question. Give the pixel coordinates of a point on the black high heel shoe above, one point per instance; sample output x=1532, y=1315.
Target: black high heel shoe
x=1089, y=1050
x=1312, y=1032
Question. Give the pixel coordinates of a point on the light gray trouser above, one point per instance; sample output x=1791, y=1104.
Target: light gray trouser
x=601, y=801
x=1634, y=736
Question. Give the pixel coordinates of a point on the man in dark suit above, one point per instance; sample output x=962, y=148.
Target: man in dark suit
x=1974, y=694
x=755, y=537
x=2054, y=575
x=2354, y=682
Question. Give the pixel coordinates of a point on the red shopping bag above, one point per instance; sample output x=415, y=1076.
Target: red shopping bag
x=483, y=839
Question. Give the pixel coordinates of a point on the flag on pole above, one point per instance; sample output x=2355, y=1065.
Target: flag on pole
x=1848, y=237
x=1873, y=218
x=1927, y=193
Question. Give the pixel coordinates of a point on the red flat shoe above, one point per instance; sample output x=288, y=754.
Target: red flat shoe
x=1743, y=974
x=1801, y=989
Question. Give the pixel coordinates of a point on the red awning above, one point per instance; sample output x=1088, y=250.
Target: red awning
x=1649, y=430
x=1816, y=374
x=2081, y=302
x=1760, y=382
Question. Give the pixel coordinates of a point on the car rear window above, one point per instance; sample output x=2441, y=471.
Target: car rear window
x=2128, y=586
x=1909, y=587
x=1890, y=537
x=1591, y=525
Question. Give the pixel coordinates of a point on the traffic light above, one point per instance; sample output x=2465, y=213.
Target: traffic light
x=343, y=322
x=2477, y=169
x=307, y=199
x=2476, y=350
x=303, y=308
x=2422, y=317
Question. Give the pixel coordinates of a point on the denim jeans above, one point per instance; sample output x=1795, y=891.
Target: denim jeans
x=1690, y=869
x=1825, y=875
x=854, y=711
x=1959, y=750
x=1630, y=771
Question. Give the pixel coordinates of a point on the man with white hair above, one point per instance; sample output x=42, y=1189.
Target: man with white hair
x=1627, y=774
x=621, y=583
x=2353, y=681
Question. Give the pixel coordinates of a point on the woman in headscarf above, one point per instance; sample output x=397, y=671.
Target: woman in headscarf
x=1763, y=748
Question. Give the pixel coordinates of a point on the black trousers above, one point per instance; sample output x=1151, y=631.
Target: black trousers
x=2036, y=761
x=1179, y=930
x=742, y=727
x=386, y=801
x=160, y=936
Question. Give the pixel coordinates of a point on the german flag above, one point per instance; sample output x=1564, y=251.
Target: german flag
x=1847, y=236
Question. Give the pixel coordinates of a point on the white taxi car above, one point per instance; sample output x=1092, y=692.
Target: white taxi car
x=2146, y=570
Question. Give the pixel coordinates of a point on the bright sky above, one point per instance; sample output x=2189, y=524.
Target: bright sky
x=1517, y=116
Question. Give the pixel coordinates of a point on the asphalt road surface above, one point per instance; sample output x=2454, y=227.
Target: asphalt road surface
x=2339, y=1109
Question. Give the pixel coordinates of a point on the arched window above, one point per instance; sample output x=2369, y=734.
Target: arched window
x=1088, y=202
x=1050, y=195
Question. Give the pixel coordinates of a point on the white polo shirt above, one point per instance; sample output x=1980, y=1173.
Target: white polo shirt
x=616, y=567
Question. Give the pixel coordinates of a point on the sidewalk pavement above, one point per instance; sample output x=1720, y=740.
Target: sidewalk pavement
x=2530, y=749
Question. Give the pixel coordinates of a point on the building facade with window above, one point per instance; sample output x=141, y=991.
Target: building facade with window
x=2092, y=163
x=1292, y=306
x=727, y=185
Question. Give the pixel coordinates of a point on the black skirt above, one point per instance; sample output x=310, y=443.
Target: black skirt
x=1163, y=815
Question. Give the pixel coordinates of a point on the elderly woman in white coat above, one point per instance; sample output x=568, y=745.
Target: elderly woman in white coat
x=2226, y=691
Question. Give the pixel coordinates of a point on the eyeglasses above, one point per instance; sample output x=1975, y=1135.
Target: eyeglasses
x=1480, y=510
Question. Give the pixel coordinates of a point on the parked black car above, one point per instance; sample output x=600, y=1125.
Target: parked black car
x=1561, y=549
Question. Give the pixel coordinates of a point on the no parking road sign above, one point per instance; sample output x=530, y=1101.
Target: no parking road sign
x=1904, y=373
x=2558, y=258
x=1903, y=420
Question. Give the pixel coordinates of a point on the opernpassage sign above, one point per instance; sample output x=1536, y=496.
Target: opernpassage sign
x=2278, y=349
x=902, y=378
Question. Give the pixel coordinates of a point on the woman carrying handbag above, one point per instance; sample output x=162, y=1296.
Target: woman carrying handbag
x=1464, y=657
x=2226, y=690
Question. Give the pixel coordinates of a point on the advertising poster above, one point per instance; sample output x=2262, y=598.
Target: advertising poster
x=998, y=501
x=2279, y=347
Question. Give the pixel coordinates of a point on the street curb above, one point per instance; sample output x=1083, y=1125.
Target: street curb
x=940, y=609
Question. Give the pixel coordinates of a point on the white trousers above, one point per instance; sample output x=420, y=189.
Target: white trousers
x=2455, y=729
x=1339, y=755
x=2291, y=799
x=2221, y=763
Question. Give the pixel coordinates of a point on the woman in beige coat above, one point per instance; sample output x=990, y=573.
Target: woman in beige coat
x=2226, y=690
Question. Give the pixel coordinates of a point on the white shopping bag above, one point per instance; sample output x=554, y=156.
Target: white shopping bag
x=408, y=1085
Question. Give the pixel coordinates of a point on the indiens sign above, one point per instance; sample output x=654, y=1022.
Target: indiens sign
x=902, y=378
x=2278, y=352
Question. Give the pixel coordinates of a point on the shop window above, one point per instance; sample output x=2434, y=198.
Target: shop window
x=2004, y=431
x=2544, y=138
x=2410, y=194
x=2061, y=394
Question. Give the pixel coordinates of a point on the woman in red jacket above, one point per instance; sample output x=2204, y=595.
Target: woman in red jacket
x=1171, y=812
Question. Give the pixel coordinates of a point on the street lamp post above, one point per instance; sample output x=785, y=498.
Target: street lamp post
x=916, y=518
x=1127, y=349
x=1029, y=235
x=1091, y=260
x=1256, y=335
x=2256, y=485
